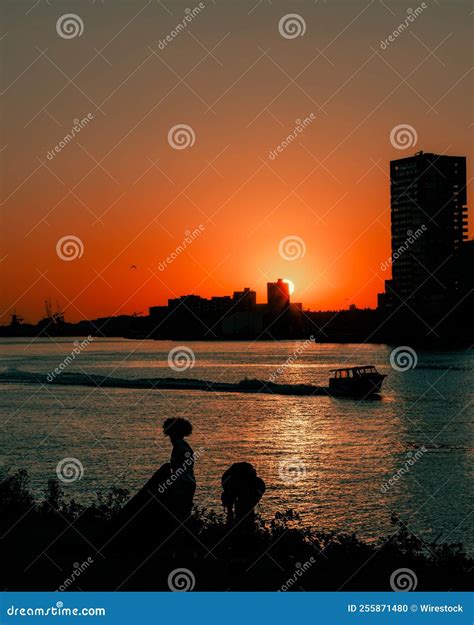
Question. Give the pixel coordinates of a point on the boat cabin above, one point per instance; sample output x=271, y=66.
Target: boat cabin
x=354, y=372
x=363, y=381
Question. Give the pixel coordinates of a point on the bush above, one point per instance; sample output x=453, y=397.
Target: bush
x=44, y=540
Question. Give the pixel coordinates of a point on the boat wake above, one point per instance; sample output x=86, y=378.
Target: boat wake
x=12, y=376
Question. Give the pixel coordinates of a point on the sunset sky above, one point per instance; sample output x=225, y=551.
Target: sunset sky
x=240, y=85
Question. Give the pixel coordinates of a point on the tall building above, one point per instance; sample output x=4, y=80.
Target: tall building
x=429, y=225
x=466, y=271
x=278, y=295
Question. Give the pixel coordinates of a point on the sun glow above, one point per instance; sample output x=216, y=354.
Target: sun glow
x=291, y=286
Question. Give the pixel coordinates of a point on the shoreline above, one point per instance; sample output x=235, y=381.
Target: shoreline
x=444, y=345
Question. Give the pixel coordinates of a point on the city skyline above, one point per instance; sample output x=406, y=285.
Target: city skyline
x=425, y=188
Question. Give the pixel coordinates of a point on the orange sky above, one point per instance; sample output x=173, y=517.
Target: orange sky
x=240, y=85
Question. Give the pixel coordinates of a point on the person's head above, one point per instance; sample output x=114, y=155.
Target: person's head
x=238, y=474
x=177, y=428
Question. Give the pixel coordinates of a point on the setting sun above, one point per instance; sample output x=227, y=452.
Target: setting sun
x=291, y=286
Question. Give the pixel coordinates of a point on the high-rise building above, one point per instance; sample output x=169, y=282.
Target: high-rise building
x=428, y=227
x=278, y=295
x=466, y=272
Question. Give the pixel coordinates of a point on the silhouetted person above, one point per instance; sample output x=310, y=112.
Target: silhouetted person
x=163, y=503
x=242, y=489
x=146, y=519
x=183, y=483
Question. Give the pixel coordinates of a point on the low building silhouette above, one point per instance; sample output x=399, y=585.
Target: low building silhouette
x=245, y=301
x=278, y=296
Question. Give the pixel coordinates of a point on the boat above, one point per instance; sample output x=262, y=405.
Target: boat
x=361, y=381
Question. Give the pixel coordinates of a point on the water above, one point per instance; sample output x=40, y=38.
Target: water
x=326, y=458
